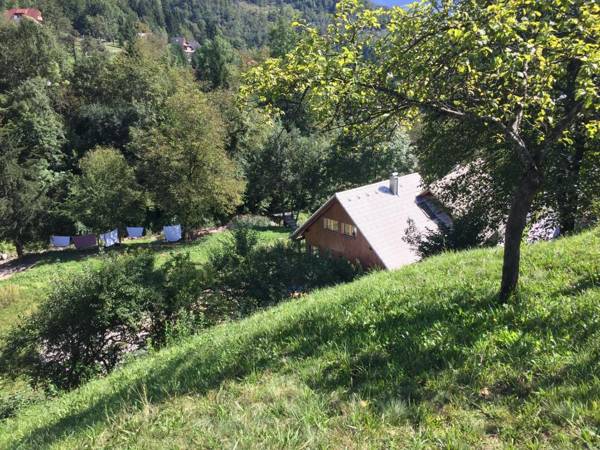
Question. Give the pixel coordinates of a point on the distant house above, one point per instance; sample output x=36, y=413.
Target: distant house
x=17, y=14
x=368, y=224
x=188, y=47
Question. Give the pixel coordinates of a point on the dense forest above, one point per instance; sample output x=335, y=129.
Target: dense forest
x=245, y=23
x=97, y=134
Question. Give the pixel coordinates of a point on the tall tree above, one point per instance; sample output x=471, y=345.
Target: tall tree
x=110, y=96
x=284, y=172
x=182, y=161
x=106, y=194
x=31, y=135
x=214, y=63
x=28, y=50
x=282, y=37
x=524, y=70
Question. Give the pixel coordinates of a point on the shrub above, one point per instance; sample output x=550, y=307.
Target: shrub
x=174, y=312
x=468, y=231
x=14, y=398
x=255, y=276
x=250, y=220
x=90, y=321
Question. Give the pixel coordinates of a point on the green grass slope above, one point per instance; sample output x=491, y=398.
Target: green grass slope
x=419, y=358
x=20, y=293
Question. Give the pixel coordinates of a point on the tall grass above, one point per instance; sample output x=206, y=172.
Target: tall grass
x=424, y=357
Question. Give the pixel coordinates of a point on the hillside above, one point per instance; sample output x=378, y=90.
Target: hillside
x=246, y=23
x=420, y=357
x=20, y=293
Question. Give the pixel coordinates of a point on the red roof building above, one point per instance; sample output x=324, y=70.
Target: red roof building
x=17, y=14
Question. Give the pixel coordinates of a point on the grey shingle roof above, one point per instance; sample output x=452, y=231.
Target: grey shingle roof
x=383, y=218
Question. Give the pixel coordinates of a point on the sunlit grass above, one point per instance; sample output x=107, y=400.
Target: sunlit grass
x=424, y=357
x=23, y=291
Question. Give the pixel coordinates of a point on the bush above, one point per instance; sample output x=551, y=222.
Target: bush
x=90, y=321
x=256, y=276
x=14, y=398
x=468, y=231
x=250, y=220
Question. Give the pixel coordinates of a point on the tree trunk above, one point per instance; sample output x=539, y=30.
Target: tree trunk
x=569, y=197
x=20, y=248
x=517, y=218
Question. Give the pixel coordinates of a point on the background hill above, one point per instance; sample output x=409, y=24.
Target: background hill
x=246, y=23
x=420, y=357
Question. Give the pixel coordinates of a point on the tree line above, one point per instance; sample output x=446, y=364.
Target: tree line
x=246, y=24
x=92, y=139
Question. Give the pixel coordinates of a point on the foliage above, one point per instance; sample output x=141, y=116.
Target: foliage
x=524, y=73
x=112, y=96
x=284, y=174
x=91, y=320
x=29, y=51
x=282, y=37
x=21, y=294
x=252, y=221
x=31, y=135
x=244, y=23
x=214, y=63
x=17, y=397
x=401, y=359
x=468, y=231
x=577, y=160
x=175, y=313
x=483, y=187
x=291, y=170
x=106, y=194
x=356, y=160
x=183, y=163
x=255, y=276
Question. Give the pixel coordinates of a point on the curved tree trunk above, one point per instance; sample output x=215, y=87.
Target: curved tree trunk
x=517, y=219
x=20, y=249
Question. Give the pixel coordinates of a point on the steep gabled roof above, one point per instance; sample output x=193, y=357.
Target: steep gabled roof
x=32, y=13
x=383, y=218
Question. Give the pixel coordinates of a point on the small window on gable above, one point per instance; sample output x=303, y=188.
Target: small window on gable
x=348, y=230
x=330, y=224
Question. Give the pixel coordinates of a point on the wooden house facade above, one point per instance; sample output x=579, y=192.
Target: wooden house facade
x=369, y=224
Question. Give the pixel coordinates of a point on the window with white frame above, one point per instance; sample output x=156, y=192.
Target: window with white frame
x=348, y=229
x=330, y=224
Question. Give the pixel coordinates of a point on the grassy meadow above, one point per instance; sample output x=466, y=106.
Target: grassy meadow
x=423, y=357
x=20, y=293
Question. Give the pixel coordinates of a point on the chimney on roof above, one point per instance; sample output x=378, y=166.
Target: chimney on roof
x=394, y=183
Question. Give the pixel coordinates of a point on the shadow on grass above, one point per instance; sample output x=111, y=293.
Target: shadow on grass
x=381, y=355
x=32, y=260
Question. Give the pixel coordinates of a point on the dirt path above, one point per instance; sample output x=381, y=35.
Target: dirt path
x=13, y=266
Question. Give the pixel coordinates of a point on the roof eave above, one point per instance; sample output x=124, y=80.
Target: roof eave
x=300, y=231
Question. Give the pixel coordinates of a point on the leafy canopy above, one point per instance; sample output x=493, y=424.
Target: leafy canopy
x=106, y=194
x=495, y=62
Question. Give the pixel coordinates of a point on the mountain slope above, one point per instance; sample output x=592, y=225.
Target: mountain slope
x=421, y=357
x=246, y=23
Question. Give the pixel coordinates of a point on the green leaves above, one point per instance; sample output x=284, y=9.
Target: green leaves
x=106, y=194
x=490, y=62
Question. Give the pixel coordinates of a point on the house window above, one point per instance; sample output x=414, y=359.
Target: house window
x=348, y=230
x=331, y=225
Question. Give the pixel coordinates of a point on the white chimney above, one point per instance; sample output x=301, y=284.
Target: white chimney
x=394, y=184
